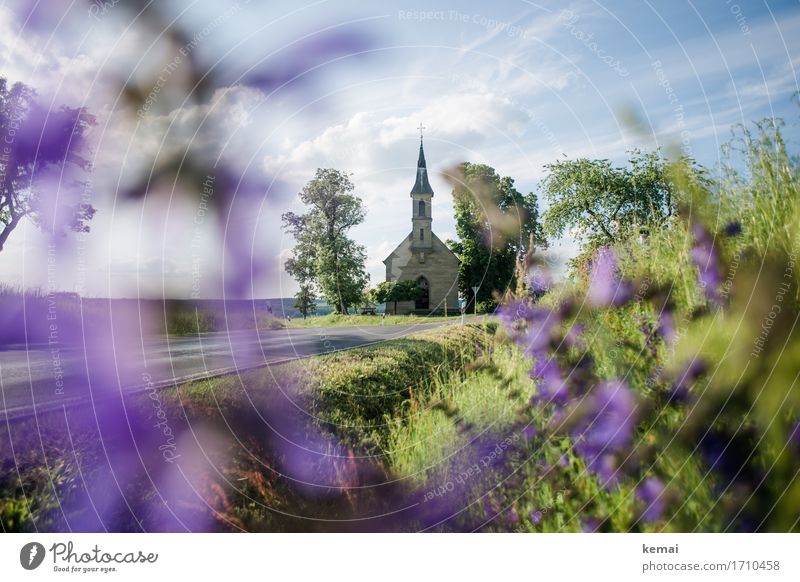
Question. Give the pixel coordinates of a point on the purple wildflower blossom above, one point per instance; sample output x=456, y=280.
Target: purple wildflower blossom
x=666, y=326
x=794, y=436
x=706, y=258
x=590, y=525
x=650, y=493
x=574, y=337
x=606, y=428
x=551, y=387
x=529, y=433
x=680, y=389
x=536, y=517
x=605, y=287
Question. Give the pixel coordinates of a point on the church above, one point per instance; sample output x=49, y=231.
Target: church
x=422, y=257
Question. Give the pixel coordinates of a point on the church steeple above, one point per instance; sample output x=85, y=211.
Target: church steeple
x=422, y=185
x=421, y=193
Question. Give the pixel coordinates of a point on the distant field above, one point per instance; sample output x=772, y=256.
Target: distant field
x=336, y=320
x=26, y=317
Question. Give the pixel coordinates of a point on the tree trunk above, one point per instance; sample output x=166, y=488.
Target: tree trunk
x=6, y=232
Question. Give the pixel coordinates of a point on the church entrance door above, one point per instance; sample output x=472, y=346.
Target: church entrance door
x=423, y=298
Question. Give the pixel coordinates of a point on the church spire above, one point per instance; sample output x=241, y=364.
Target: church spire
x=422, y=185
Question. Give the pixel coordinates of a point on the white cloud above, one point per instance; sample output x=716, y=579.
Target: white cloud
x=368, y=140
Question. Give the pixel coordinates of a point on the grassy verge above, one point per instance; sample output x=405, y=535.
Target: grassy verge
x=296, y=447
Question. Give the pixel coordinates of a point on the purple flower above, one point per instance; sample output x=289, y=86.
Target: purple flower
x=551, y=387
x=573, y=338
x=606, y=428
x=529, y=433
x=605, y=287
x=536, y=517
x=666, y=326
x=539, y=281
x=706, y=259
x=563, y=461
x=512, y=516
x=693, y=370
x=794, y=436
x=590, y=525
x=541, y=325
x=650, y=493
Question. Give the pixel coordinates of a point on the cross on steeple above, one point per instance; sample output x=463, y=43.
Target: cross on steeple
x=421, y=128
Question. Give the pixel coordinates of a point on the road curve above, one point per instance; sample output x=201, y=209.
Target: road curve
x=40, y=377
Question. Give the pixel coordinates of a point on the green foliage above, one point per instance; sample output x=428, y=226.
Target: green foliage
x=392, y=292
x=305, y=300
x=360, y=395
x=602, y=205
x=324, y=255
x=495, y=224
x=24, y=123
x=760, y=187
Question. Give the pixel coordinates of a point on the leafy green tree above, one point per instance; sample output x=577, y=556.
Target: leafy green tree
x=323, y=253
x=39, y=144
x=495, y=224
x=305, y=300
x=602, y=204
x=392, y=292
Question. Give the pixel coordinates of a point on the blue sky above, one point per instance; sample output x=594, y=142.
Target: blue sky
x=513, y=84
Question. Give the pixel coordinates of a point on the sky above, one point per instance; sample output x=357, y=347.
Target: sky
x=513, y=84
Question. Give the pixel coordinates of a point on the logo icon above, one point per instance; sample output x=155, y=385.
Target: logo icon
x=31, y=555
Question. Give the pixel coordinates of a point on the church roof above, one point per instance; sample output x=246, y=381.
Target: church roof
x=422, y=185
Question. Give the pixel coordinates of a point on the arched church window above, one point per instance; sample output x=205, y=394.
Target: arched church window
x=421, y=208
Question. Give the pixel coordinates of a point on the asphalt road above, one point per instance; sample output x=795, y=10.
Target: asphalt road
x=42, y=377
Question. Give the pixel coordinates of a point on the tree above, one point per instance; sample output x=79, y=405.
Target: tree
x=41, y=164
x=324, y=255
x=495, y=224
x=602, y=204
x=392, y=292
x=305, y=300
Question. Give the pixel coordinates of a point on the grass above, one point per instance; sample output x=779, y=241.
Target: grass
x=236, y=436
